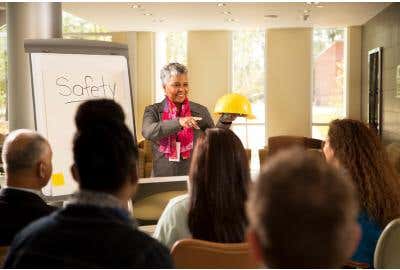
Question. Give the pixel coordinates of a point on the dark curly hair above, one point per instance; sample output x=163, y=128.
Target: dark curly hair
x=360, y=151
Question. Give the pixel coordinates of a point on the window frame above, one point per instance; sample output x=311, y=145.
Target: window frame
x=345, y=79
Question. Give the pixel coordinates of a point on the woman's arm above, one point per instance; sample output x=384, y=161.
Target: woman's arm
x=154, y=128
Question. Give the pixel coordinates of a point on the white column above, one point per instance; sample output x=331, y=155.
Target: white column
x=26, y=20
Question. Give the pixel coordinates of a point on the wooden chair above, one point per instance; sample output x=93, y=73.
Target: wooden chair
x=193, y=253
x=3, y=253
x=355, y=265
x=387, y=251
x=145, y=158
x=278, y=143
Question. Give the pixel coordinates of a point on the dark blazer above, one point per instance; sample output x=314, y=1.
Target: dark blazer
x=154, y=129
x=86, y=236
x=18, y=208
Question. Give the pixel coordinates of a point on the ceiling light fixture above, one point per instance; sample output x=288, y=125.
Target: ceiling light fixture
x=147, y=14
x=230, y=20
x=226, y=12
x=221, y=4
x=135, y=6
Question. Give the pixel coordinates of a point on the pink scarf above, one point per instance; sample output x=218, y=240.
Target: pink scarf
x=185, y=136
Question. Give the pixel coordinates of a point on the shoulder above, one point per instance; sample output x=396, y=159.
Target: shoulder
x=180, y=202
x=156, y=107
x=197, y=107
x=148, y=252
x=368, y=224
x=33, y=230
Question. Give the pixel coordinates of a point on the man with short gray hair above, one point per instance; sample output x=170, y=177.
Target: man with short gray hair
x=27, y=163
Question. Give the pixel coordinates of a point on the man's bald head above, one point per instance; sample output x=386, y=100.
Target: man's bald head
x=22, y=150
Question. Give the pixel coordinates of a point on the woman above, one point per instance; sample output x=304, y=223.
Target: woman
x=174, y=124
x=218, y=183
x=354, y=146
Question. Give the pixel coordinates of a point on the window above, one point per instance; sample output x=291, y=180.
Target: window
x=248, y=79
x=329, y=93
x=3, y=80
x=77, y=28
x=170, y=47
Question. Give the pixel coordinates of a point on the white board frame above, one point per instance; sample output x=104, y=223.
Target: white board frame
x=85, y=47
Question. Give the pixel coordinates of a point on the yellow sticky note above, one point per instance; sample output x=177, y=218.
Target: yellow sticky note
x=57, y=179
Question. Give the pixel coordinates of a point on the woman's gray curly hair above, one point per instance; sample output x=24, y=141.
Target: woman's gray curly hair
x=172, y=69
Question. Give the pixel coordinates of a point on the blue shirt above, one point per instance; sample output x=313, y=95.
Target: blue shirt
x=371, y=231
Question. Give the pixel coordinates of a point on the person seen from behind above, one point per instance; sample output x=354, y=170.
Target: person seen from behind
x=354, y=146
x=302, y=213
x=214, y=208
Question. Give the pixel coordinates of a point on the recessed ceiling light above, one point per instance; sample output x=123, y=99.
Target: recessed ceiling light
x=271, y=16
x=147, y=14
x=226, y=12
x=230, y=20
x=319, y=6
x=134, y=6
x=221, y=4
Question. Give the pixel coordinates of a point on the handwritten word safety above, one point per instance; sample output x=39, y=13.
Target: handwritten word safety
x=88, y=89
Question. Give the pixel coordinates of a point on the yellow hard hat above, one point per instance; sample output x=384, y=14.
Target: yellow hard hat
x=234, y=103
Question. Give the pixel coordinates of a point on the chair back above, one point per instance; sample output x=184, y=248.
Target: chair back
x=146, y=158
x=277, y=143
x=3, y=253
x=193, y=253
x=387, y=251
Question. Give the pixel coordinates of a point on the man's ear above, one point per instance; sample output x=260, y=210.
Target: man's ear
x=41, y=170
x=75, y=173
x=255, y=246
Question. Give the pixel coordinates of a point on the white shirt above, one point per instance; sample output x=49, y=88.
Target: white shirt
x=173, y=223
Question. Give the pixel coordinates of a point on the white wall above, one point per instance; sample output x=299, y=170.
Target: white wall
x=354, y=72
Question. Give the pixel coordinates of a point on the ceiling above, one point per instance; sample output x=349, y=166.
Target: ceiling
x=228, y=16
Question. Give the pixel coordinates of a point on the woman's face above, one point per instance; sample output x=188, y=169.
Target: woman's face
x=177, y=88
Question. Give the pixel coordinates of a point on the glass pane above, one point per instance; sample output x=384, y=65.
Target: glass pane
x=252, y=137
x=170, y=47
x=74, y=24
x=320, y=132
x=248, y=71
x=329, y=97
x=3, y=81
x=176, y=47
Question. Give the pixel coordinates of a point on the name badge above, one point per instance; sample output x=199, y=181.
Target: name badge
x=178, y=153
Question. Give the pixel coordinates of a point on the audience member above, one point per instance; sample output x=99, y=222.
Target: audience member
x=302, y=213
x=94, y=230
x=351, y=144
x=27, y=161
x=218, y=183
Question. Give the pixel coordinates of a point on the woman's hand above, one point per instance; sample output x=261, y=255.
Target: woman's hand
x=189, y=122
x=228, y=118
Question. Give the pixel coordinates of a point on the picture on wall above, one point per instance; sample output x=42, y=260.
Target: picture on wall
x=375, y=89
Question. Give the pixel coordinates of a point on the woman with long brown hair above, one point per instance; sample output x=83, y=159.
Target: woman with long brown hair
x=352, y=145
x=214, y=209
